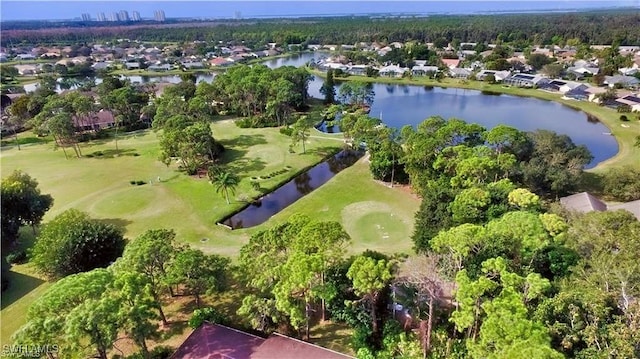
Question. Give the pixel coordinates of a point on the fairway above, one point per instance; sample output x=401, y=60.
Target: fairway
x=375, y=216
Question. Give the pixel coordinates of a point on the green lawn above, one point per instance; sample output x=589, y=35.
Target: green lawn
x=376, y=216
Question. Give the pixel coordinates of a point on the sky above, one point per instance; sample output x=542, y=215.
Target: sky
x=214, y=9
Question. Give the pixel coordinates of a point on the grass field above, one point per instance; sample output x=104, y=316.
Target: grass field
x=189, y=205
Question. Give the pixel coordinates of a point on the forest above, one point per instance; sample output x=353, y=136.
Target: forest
x=595, y=28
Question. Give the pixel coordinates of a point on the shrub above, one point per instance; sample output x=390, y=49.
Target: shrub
x=623, y=118
x=140, y=183
x=255, y=185
x=208, y=314
x=287, y=131
x=133, y=182
x=98, y=153
x=243, y=123
x=18, y=257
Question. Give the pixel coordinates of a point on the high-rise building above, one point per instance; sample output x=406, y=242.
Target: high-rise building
x=123, y=15
x=86, y=17
x=158, y=15
x=135, y=16
x=114, y=17
x=101, y=17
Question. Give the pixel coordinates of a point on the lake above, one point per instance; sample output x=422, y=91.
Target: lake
x=399, y=105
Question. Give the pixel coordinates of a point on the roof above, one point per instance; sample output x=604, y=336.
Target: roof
x=214, y=341
x=583, y=202
x=633, y=207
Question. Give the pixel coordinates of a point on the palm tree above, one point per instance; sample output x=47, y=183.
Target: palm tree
x=225, y=182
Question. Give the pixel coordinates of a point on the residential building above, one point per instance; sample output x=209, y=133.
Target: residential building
x=393, y=71
x=101, y=17
x=422, y=70
x=585, y=202
x=459, y=73
x=621, y=80
x=525, y=80
x=135, y=16
x=360, y=70
x=499, y=75
x=86, y=17
x=218, y=341
x=159, y=68
x=114, y=17
x=451, y=63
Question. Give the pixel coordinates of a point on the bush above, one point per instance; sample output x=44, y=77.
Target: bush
x=243, y=123
x=98, y=153
x=208, y=314
x=18, y=257
x=256, y=186
x=140, y=183
x=287, y=131
x=622, y=184
x=133, y=182
x=624, y=118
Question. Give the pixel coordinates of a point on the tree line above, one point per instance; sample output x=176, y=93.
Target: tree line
x=593, y=27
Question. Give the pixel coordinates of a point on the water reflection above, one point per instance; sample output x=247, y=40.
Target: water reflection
x=258, y=212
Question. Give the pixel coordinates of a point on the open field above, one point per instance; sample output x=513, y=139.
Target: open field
x=628, y=155
x=190, y=205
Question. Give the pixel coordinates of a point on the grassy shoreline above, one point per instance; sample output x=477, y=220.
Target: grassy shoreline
x=627, y=154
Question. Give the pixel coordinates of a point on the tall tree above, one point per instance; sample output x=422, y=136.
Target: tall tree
x=73, y=243
x=328, y=88
x=74, y=314
x=22, y=204
x=136, y=317
x=198, y=273
x=370, y=277
x=225, y=181
x=301, y=132
x=150, y=254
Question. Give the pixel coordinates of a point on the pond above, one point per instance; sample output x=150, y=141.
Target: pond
x=301, y=185
x=400, y=105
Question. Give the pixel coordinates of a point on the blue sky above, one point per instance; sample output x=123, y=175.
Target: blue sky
x=40, y=10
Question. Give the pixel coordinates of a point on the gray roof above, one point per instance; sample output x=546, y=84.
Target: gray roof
x=633, y=207
x=582, y=202
x=585, y=202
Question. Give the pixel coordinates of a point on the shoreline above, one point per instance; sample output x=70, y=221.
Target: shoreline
x=624, y=136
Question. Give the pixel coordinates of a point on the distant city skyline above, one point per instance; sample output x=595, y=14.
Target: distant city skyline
x=68, y=10
x=121, y=15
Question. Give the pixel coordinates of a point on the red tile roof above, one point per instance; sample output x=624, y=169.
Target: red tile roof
x=214, y=341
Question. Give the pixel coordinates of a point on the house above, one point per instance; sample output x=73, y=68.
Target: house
x=96, y=121
x=359, y=70
x=499, y=75
x=451, y=63
x=218, y=341
x=630, y=100
x=26, y=69
x=629, y=71
x=101, y=66
x=193, y=65
x=459, y=73
x=525, y=80
x=314, y=47
x=383, y=51
x=325, y=66
x=569, y=86
x=393, y=71
x=594, y=92
x=132, y=65
x=220, y=62
x=621, y=80
x=584, y=202
x=397, y=45
x=25, y=57
x=159, y=68
x=347, y=47
x=330, y=47
x=422, y=70
x=464, y=53
x=3, y=57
